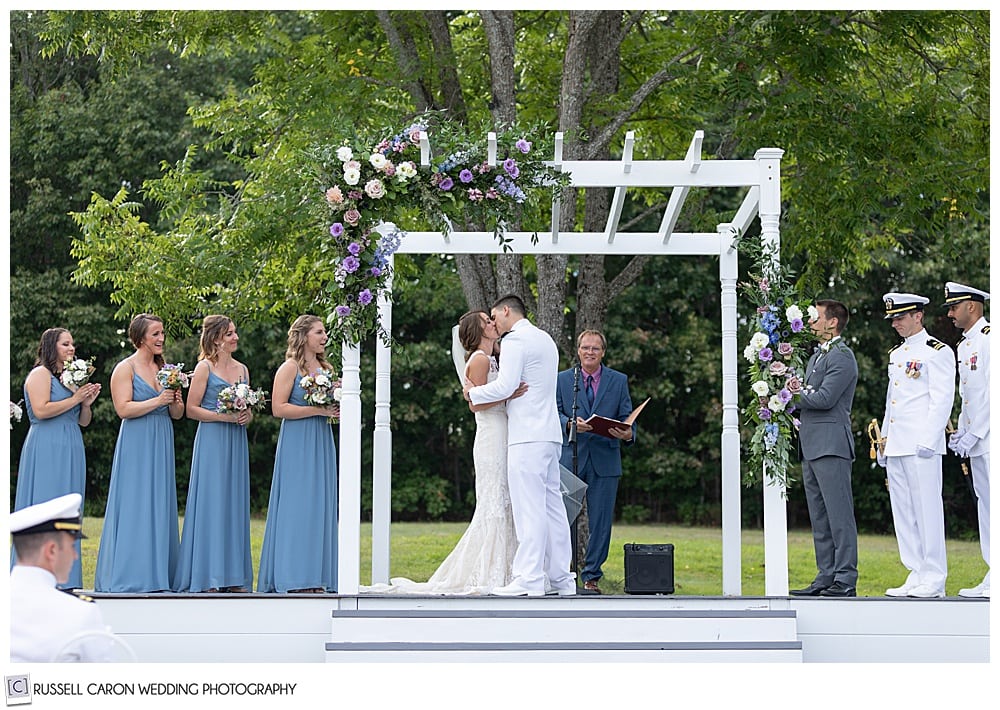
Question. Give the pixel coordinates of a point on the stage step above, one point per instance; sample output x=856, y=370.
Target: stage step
x=563, y=634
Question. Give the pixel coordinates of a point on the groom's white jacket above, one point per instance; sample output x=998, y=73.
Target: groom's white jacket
x=527, y=354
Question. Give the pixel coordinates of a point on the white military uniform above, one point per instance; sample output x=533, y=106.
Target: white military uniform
x=918, y=401
x=974, y=391
x=44, y=619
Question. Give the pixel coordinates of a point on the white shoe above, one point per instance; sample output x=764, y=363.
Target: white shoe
x=568, y=590
x=901, y=591
x=925, y=591
x=516, y=590
x=980, y=590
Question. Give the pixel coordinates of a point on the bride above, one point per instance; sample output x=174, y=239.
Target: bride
x=482, y=558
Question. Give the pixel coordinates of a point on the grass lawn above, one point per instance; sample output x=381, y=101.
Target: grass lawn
x=418, y=548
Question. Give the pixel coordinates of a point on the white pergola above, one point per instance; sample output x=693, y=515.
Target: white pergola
x=762, y=177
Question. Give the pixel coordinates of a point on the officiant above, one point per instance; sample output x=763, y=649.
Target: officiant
x=596, y=389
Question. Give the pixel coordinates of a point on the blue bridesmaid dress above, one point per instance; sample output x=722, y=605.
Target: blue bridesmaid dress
x=300, y=537
x=53, y=463
x=215, y=540
x=139, y=542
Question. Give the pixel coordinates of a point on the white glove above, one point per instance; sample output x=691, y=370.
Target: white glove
x=924, y=453
x=964, y=445
x=880, y=459
x=955, y=437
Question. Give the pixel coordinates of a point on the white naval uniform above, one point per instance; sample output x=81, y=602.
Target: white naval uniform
x=918, y=402
x=43, y=619
x=974, y=391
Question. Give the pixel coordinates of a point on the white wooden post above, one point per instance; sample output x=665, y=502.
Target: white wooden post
x=775, y=512
x=349, y=469
x=382, y=446
x=731, y=483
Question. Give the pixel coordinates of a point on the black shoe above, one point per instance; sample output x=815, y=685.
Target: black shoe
x=813, y=590
x=839, y=589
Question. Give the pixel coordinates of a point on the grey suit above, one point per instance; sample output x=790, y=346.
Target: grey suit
x=826, y=447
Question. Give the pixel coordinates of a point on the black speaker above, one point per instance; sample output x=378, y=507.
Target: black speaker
x=649, y=569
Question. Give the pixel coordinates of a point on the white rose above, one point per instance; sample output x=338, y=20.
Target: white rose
x=406, y=169
x=377, y=160
x=750, y=354
x=352, y=176
x=344, y=153
x=775, y=404
x=793, y=312
x=759, y=340
x=760, y=388
x=337, y=393
x=322, y=380
x=813, y=312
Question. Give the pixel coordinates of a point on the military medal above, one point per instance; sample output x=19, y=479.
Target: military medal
x=972, y=361
x=913, y=368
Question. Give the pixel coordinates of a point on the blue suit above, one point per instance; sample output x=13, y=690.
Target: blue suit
x=599, y=461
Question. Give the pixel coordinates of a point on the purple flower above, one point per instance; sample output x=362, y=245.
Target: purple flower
x=343, y=311
x=523, y=145
x=465, y=175
x=784, y=395
x=351, y=264
x=354, y=248
x=446, y=184
x=336, y=229
x=510, y=166
x=376, y=271
x=765, y=354
x=764, y=413
x=365, y=297
x=796, y=324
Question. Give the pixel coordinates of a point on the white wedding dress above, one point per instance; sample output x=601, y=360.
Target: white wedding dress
x=482, y=558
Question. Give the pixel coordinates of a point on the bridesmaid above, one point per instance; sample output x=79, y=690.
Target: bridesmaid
x=215, y=541
x=139, y=542
x=53, y=461
x=299, y=552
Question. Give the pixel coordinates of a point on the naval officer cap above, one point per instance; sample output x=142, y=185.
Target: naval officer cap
x=60, y=514
x=898, y=304
x=956, y=293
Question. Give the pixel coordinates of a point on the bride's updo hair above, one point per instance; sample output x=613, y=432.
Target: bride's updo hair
x=470, y=331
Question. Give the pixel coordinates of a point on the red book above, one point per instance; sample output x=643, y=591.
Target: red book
x=601, y=425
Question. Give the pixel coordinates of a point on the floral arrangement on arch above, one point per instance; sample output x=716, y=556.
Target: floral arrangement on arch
x=777, y=349
x=371, y=184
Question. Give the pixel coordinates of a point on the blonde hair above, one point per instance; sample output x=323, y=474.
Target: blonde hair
x=212, y=330
x=298, y=335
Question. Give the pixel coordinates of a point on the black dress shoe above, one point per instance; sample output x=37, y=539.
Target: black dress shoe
x=839, y=589
x=813, y=590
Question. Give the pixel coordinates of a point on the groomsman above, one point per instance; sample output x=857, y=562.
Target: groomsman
x=826, y=448
x=972, y=439
x=918, y=402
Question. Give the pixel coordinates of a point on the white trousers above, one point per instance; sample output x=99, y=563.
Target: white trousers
x=918, y=517
x=981, y=482
x=543, y=544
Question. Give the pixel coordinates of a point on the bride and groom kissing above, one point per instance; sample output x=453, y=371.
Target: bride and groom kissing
x=518, y=541
x=526, y=379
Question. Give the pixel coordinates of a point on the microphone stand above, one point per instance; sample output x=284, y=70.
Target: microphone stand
x=574, y=529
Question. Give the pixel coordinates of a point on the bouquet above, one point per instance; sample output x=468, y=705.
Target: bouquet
x=173, y=377
x=15, y=413
x=236, y=398
x=76, y=372
x=321, y=388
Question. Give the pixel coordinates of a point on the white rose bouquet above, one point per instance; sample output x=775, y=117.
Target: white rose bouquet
x=76, y=373
x=322, y=388
x=238, y=397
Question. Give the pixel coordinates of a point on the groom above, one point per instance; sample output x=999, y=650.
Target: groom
x=534, y=439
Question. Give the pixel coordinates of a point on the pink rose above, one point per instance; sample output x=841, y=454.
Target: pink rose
x=352, y=217
x=785, y=349
x=374, y=189
x=334, y=196
x=793, y=384
x=777, y=368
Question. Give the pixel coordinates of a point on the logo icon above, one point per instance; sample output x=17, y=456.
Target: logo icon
x=18, y=689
